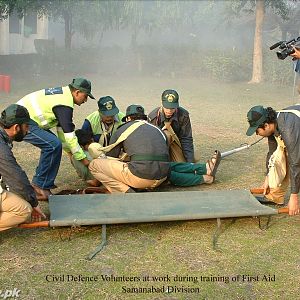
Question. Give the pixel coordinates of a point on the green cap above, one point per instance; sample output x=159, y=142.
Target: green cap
x=14, y=114
x=170, y=99
x=107, y=106
x=257, y=116
x=82, y=85
x=134, y=109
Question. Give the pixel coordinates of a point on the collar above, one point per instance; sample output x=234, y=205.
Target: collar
x=116, y=118
x=276, y=131
x=6, y=138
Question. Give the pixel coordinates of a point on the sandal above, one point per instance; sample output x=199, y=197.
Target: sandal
x=214, y=166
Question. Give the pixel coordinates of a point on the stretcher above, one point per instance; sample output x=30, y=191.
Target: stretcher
x=104, y=209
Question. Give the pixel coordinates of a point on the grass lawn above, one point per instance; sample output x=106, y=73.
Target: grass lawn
x=180, y=251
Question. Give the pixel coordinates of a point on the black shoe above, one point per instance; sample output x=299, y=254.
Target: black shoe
x=264, y=200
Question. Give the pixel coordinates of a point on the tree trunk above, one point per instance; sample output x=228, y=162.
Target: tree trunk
x=135, y=49
x=257, y=50
x=68, y=30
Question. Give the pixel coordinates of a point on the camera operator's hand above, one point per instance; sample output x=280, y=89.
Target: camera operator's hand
x=296, y=54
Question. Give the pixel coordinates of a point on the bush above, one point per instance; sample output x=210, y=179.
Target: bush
x=150, y=60
x=278, y=71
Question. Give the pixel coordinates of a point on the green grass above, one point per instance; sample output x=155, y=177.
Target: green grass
x=218, y=114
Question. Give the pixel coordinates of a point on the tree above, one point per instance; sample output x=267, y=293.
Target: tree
x=235, y=9
x=20, y=7
x=257, y=67
x=289, y=27
x=78, y=16
x=99, y=17
x=150, y=16
x=86, y=19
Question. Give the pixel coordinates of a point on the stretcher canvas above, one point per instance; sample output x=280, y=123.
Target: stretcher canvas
x=68, y=210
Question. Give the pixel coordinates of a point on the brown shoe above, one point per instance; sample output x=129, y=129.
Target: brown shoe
x=41, y=194
x=213, y=163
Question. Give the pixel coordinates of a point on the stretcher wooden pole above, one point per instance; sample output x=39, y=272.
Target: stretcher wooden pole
x=283, y=210
x=35, y=224
x=257, y=191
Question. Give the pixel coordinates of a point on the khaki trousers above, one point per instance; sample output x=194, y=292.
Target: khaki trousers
x=13, y=210
x=116, y=176
x=277, y=194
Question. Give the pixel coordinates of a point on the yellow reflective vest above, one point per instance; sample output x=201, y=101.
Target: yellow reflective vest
x=40, y=104
x=95, y=121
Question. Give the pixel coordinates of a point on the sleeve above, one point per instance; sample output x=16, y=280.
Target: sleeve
x=186, y=139
x=66, y=133
x=290, y=135
x=87, y=126
x=15, y=177
x=64, y=116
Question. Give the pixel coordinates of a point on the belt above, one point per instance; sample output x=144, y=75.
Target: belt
x=149, y=157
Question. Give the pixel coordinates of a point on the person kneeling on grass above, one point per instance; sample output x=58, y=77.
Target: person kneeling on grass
x=176, y=124
x=147, y=150
x=180, y=173
x=17, y=197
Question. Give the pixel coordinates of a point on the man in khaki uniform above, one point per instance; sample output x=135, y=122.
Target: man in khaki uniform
x=17, y=197
x=147, y=149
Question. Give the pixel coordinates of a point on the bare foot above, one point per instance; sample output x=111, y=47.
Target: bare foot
x=208, y=179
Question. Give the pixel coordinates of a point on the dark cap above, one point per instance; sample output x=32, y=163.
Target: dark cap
x=257, y=116
x=170, y=99
x=14, y=114
x=107, y=106
x=134, y=109
x=82, y=85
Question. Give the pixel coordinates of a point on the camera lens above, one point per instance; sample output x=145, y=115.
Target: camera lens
x=285, y=53
x=282, y=54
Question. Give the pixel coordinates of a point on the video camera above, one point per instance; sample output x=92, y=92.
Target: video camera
x=286, y=47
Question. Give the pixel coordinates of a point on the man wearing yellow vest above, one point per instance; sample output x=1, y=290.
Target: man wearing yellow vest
x=104, y=122
x=283, y=160
x=49, y=108
x=100, y=126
